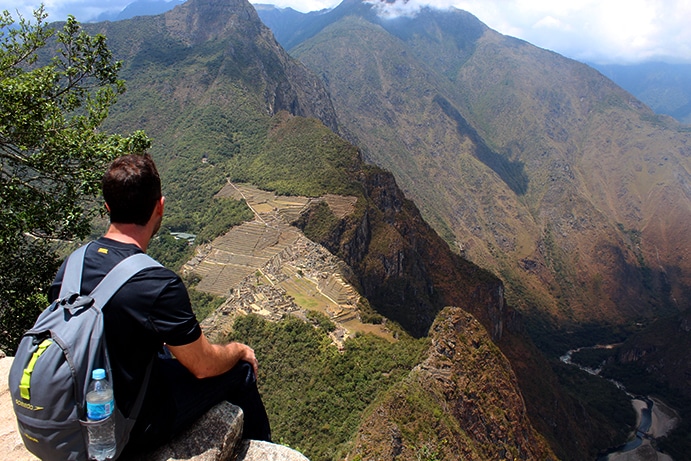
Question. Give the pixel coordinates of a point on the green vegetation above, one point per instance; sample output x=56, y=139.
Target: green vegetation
x=52, y=153
x=292, y=144
x=321, y=222
x=321, y=321
x=169, y=251
x=607, y=405
x=190, y=203
x=219, y=216
x=314, y=394
x=203, y=304
x=419, y=423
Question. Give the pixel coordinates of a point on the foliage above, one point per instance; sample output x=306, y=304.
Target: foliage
x=169, y=251
x=318, y=224
x=203, y=304
x=367, y=312
x=221, y=215
x=292, y=143
x=321, y=321
x=314, y=394
x=51, y=152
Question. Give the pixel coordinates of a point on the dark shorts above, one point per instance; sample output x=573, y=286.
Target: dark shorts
x=187, y=398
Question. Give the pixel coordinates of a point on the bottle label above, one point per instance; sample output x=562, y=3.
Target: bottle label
x=99, y=411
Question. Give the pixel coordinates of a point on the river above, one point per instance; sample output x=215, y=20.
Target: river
x=654, y=420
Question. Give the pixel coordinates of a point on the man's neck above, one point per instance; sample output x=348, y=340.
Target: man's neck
x=129, y=233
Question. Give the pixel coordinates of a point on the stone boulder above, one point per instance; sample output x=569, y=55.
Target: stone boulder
x=216, y=436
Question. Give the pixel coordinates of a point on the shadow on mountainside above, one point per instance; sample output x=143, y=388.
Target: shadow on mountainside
x=511, y=172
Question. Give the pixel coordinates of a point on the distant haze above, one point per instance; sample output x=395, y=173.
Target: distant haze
x=603, y=32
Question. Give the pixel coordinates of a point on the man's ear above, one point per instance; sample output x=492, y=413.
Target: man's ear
x=161, y=203
x=107, y=207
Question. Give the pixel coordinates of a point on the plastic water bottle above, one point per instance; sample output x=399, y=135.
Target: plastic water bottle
x=100, y=404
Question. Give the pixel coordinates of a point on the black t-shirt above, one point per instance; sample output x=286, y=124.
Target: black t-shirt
x=151, y=309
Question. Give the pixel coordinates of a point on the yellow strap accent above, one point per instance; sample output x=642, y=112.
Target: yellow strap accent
x=25, y=384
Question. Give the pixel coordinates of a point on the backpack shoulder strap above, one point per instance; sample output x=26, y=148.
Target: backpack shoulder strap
x=110, y=284
x=120, y=274
x=72, y=276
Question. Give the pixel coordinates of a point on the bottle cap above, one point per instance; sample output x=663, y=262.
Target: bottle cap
x=98, y=373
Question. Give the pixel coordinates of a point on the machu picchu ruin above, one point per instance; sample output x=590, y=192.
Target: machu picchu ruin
x=268, y=267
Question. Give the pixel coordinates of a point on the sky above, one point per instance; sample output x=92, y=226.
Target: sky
x=593, y=31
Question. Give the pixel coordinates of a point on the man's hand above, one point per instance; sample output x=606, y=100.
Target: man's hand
x=205, y=360
x=247, y=354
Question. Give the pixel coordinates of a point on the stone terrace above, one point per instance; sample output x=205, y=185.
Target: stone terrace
x=270, y=268
x=262, y=202
x=230, y=258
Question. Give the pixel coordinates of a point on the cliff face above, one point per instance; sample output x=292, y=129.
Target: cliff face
x=461, y=402
x=405, y=269
x=289, y=85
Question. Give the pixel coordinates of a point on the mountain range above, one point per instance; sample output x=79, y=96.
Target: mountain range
x=664, y=87
x=558, y=204
x=532, y=165
x=139, y=8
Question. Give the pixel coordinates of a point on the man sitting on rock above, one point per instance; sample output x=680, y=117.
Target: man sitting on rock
x=151, y=314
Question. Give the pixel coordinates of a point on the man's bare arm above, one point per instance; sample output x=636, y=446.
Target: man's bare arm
x=205, y=360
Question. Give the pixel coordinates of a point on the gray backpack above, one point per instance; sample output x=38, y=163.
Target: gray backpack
x=53, y=364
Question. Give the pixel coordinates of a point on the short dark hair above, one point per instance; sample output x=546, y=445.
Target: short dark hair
x=131, y=189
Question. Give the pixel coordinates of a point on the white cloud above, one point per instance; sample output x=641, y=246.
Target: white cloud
x=550, y=22
x=623, y=31
x=396, y=9
x=594, y=30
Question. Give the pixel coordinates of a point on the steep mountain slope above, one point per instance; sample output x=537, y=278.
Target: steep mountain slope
x=223, y=101
x=534, y=166
x=222, y=52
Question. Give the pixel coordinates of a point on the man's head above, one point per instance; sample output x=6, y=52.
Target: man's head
x=132, y=189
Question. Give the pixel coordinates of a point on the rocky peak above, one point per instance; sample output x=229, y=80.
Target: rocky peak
x=236, y=21
x=241, y=57
x=465, y=400
x=198, y=21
